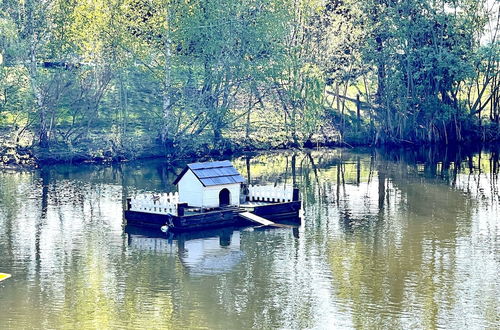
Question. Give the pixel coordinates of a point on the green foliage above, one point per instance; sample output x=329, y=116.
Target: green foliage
x=200, y=73
x=423, y=53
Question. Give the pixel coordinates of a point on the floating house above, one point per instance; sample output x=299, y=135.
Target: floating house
x=212, y=195
x=210, y=185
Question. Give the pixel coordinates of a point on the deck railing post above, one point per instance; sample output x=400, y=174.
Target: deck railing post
x=295, y=196
x=180, y=209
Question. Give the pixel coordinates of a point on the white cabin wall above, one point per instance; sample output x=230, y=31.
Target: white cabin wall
x=235, y=194
x=211, y=194
x=190, y=190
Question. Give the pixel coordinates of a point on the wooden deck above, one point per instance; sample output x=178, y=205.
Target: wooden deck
x=250, y=213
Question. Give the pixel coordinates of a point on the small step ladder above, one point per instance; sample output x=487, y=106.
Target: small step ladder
x=260, y=220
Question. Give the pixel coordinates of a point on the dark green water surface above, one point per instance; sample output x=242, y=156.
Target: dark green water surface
x=389, y=240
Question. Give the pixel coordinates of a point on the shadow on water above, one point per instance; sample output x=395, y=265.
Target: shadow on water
x=391, y=238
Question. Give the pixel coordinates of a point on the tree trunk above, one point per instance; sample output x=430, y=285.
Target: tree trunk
x=358, y=113
x=380, y=73
x=248, y=123
x=293, y=121
x=380, y=95
x=167, y=83
x=217, y=134
x=40, y=108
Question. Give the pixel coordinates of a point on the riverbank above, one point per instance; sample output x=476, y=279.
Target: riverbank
x=13, y=157
x=102, y=149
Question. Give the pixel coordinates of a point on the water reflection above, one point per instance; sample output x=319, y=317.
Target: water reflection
x=207, y=252
x=390, y=238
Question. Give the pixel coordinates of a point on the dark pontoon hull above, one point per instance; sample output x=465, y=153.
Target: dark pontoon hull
x=278, y=212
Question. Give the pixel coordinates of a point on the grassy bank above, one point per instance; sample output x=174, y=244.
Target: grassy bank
x=106, y=148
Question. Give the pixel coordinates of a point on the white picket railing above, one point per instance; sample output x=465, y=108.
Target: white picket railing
x=155, y=203
x=270, y=194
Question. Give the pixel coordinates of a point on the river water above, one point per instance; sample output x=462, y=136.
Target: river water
x=389, y=240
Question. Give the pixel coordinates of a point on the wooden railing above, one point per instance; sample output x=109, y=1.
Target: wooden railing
x=270, y=194
x=155, y=203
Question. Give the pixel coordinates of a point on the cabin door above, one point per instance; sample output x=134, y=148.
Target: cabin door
x=224, y=197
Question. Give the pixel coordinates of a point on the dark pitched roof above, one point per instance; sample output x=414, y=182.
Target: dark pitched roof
x=213, y=173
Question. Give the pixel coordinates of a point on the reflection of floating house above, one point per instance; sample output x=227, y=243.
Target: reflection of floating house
x=211, y=256
x=211, y=195
x=204, y=252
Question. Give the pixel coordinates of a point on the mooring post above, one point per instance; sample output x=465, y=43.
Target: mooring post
x=129, y=203
x=180, y=209
x=295, y=196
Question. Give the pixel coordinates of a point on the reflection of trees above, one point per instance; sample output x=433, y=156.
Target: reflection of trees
x=381, y=228
x=258, y=292
x=406, y=261
x=70, y=251
x=14, y=189
x=404, y=213
x=101, y=293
